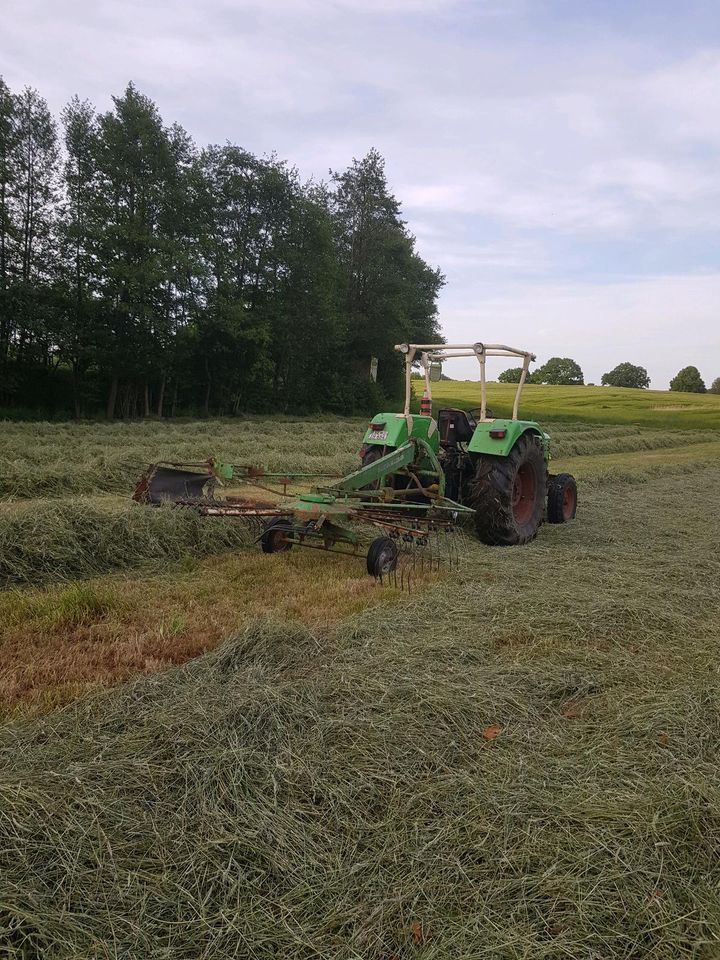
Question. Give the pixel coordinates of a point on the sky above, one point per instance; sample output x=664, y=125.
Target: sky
x=557, y=159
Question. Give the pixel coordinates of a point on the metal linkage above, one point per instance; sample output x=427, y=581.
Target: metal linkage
x=325, y=518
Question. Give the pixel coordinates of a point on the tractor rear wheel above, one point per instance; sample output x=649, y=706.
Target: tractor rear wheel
x=508, y=494
x=371, y=454
x=561, y=498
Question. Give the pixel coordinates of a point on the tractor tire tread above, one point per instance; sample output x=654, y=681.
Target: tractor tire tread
x=555, y=495
x=491, y=494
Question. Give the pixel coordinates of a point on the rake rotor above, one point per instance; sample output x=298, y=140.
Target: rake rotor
x=414, y=527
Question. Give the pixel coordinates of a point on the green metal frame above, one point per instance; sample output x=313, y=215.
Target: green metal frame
x=483, y=442
x=415, y=451
x=398, y=429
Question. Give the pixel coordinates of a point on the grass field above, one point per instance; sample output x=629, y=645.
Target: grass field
x=650, y=408
x=518, y=760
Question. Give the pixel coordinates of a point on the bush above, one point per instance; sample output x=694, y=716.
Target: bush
x=512, y=375
x=715, y=388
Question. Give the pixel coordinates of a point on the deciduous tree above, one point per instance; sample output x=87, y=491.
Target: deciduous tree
x=688, y=380
x=626, y=375
x=559, y=371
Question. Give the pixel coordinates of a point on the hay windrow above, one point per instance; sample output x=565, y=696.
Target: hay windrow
x=59, y=460
x=64, y=540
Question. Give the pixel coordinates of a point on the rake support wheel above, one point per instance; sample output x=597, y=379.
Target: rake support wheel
x=508, y=494
x=561, y=498
x=275, y=536
x=382, y=556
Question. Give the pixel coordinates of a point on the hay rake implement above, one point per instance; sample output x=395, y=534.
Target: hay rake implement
x=399, y=496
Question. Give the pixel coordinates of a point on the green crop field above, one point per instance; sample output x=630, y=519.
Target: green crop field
x=651, y=408
x=211, y=752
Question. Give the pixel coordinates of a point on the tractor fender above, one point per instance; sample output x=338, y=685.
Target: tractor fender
x=395, y=429
x=498, y=437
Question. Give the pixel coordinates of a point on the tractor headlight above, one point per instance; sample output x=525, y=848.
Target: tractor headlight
x=404, y=348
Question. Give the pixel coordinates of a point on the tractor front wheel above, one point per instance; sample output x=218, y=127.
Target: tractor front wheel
x=561, y=498
x=508, y=494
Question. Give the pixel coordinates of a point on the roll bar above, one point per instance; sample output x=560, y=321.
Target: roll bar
x=437, y=352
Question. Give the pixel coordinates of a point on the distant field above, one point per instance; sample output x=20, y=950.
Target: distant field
x=652, y=408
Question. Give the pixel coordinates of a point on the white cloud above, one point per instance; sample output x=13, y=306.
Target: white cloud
x=525, y=145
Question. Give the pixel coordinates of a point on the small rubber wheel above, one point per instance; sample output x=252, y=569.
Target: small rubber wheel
x=382, y=556
x=275, y=536
x=562, y=498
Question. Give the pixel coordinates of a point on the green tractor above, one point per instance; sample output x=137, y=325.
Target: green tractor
x=499, y=467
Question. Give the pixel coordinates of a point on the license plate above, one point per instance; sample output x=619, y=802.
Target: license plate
x=378, y=434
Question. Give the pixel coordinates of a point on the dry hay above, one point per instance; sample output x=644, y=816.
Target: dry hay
x=63, y=540
x=355, y=797
x=521, y=763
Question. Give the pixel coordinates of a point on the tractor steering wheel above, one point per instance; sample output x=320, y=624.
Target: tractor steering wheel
x=475, y=413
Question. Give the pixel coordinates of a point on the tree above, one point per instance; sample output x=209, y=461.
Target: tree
x=559, y=371
x=512, y=375
x=135, y=170
x=134, y=266
x=715, y=388
x=626, y=375
x=389, y=294
x=34, y=256
x=688, y=380
x=78, y=320
x=8, y=229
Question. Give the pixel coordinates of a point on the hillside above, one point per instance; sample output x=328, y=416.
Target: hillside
x=652, y=408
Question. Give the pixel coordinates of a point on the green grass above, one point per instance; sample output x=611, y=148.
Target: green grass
x=651, y=408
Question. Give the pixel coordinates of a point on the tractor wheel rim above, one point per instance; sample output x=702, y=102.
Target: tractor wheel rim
x=523, y=494
x=568, y=503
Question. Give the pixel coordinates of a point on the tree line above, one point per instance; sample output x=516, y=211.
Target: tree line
x=141, y=275
x=563, y=371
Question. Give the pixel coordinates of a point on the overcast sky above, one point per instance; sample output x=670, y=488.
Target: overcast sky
x=557, y=159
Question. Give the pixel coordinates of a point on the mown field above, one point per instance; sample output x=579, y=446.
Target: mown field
x=210, y=752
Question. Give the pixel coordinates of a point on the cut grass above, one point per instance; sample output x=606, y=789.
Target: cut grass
x=40, y=460
x=59, y=460
x=520, y=762
x=67, y=539
x=59, y=642
x=50, y=540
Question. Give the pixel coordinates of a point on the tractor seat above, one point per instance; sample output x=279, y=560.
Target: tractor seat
x=455, y=426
